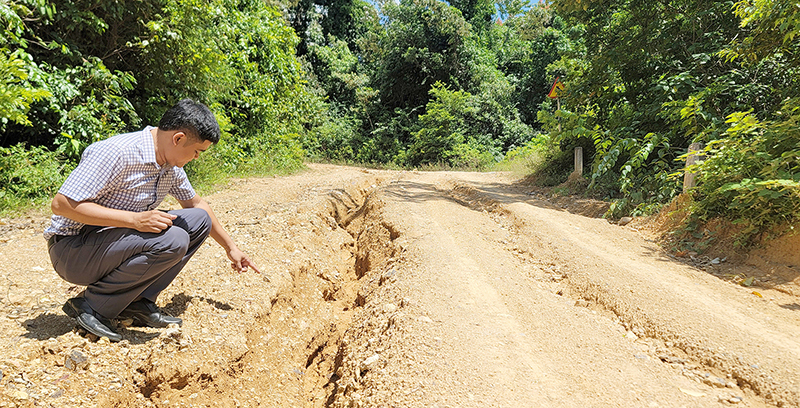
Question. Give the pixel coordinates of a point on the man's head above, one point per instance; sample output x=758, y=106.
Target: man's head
x=193, y=118
x=186, y=130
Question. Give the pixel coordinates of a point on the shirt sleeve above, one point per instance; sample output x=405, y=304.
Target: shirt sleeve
x=98, y=167
x=182, y=188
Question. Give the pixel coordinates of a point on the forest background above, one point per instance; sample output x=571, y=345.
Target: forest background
x=424, y=83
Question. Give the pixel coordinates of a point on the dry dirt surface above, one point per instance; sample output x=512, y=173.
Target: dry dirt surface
x=410, y=289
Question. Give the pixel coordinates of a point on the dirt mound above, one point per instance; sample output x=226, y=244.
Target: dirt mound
x=772, y=263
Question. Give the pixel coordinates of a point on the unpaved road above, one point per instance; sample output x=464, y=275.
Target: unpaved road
x=410, y=289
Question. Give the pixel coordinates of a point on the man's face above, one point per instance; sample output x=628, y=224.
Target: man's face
x=187, y=148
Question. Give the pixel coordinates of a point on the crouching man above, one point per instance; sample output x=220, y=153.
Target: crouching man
x=106, y=233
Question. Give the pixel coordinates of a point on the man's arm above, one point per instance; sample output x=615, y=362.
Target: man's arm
x=239, y=260
x=89, y=213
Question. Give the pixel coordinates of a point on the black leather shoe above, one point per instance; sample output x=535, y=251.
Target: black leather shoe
x=145, y=313
x=89, y=319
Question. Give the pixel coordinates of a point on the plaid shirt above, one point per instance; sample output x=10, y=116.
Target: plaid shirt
x=121, y=173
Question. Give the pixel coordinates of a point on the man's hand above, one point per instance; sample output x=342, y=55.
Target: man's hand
x=240, y=262
x=152, y=221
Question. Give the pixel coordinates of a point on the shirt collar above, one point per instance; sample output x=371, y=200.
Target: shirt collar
x=148, y=148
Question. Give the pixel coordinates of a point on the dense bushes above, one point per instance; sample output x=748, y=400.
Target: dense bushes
x=646, y=80
x=78, y=71
x=29, y=176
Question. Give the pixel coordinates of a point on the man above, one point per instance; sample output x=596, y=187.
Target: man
x=107, y=234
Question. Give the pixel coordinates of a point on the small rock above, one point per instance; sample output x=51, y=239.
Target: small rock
x=582, y=303
x=693, y=393
x=19, y=395
x=425, y=319
x=75, y=360
x=57, y=393
x=671, y=359
x=631, y=335
x=624, y=221
x=370, y=362
x=735, y=400
x=172, y=333
x=389, y=308
x=714, y=381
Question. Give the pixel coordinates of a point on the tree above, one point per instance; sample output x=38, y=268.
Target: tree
x=479, y=13
x=425, y=43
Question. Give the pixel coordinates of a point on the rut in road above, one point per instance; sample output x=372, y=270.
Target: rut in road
x=295, y=348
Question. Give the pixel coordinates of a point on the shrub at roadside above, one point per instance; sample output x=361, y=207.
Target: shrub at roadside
x=752, y=176
x=29, y=177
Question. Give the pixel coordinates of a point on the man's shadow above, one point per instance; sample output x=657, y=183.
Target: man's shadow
x=49, y=324
x=179, y=302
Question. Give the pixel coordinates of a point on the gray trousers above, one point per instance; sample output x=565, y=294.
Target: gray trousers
x=120, y=265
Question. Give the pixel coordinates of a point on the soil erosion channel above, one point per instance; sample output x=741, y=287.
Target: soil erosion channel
x=407, y=289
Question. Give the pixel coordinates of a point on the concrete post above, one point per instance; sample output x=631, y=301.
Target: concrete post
x=579, y=160
x=688, y=177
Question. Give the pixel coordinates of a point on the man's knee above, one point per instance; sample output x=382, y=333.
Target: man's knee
x=172, y=242
x=193, y=220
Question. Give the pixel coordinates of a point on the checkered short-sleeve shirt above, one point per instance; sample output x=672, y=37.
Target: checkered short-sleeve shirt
x=121, y=173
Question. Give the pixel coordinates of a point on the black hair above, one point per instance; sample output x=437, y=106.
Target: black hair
x=194, y=118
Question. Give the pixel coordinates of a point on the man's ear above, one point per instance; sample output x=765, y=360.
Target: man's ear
x=177, y=137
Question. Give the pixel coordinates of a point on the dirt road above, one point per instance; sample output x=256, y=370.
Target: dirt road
x=410, y=289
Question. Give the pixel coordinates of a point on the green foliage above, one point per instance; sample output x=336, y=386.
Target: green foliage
x=336, y=71
x=29, y=177
x=775, y=25
x=462, y=130
x=79, y=71
x=442, y=126
x=425, y=44
x=477, y=12
x=249, y=69
x=333, y=138
x=525, y=45
x=15, y=97
x=16, y=94
x=753, y=175
x=644, y=81
x=528, y=158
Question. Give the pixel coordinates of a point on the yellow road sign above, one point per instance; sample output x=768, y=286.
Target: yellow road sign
x=557, y=90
